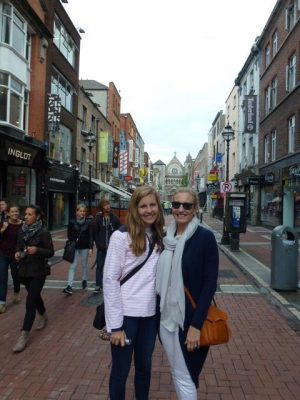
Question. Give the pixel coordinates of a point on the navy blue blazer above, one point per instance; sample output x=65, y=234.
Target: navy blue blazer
x=200, y=267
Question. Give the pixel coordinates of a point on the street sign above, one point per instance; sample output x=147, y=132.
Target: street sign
x=226, y=187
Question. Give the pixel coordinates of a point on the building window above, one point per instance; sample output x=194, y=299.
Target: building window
x=290, y=16
x=273, y=94
x=251, y=78
x=267, y=55
x=84, y=116
x=291, y=73
x=63, y=41
x=274, y=43
x=267, y=100
x=60, y=86
x=12, y=100
x=291, y=133
x=13, y=28
x=266, y=149
x=60, y=145
x=273, y=145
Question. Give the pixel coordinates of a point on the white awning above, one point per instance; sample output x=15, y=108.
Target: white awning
x=108, y=188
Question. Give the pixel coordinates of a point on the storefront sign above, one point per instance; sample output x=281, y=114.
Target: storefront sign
x=269, y=178
x=250, y=114
x=295, y=170
x=18, y=154
x=54, y=107
x=253, y=180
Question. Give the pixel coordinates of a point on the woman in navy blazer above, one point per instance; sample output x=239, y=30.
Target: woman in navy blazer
x=190, y=259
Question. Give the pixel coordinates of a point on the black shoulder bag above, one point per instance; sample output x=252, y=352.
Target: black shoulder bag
x=99, y=320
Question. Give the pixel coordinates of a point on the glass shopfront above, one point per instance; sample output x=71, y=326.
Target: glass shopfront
x=21, y=186
x=60, y=210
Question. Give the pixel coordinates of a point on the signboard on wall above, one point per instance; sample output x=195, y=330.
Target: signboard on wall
x=250, y=113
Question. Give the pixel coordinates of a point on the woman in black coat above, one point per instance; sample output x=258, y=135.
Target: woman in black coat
x=34, y=247
x=189, y=260
x=80, y=231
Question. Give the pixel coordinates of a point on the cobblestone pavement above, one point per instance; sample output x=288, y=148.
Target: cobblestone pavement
x=69, y=361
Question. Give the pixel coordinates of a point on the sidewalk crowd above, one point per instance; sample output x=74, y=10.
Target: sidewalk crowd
x=70, y=361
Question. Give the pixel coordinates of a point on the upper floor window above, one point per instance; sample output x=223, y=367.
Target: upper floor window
x=267, y=100
x=251, y=79
x=13, y=101
x=273, y=94
x=266, y=149
x=84, y=116
x=291, y=133
x=60, y=86
x=291, y=73
x=60, y=145
x=13, y=29
x=274, y=43
x=273, y=145
x=63, y=41
x=290, y=16
x=267, y=55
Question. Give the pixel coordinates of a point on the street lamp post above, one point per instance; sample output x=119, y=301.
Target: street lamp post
x=228, y=135
x=90, y=140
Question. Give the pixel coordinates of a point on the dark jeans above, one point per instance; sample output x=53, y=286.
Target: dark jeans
x=142, y=333
x=6, y=262
x=99, y=269
x=34, y=300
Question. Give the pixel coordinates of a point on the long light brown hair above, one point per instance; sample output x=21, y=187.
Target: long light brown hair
x=135, y=225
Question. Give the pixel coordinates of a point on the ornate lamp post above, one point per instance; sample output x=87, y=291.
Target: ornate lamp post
x=228, y=135
x=90, y=140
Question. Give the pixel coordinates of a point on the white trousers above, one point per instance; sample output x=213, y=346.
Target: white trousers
x=83, y=254
x=184, y=386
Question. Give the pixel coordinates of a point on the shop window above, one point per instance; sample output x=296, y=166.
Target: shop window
x=21, y=185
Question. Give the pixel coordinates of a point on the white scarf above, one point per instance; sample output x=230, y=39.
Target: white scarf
x=169, y=272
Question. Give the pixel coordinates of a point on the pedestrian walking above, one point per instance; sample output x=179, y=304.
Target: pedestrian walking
x=80, y=230
x=9, y=230
x=3, y=210
x=189, y=260
x=130, y=309
x=34, y=248
x=105, y=224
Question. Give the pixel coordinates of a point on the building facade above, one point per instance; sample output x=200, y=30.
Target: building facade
x=279, y=109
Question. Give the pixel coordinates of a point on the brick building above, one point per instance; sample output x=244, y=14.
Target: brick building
x=279, y=109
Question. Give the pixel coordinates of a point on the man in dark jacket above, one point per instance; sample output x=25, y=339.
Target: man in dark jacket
x=105, y=224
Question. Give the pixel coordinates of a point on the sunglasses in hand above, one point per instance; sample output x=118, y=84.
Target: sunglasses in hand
x=186, y=206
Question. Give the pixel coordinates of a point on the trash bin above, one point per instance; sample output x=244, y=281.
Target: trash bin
x=284, y=258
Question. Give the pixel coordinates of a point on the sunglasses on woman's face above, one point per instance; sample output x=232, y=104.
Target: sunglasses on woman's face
x=186, y=206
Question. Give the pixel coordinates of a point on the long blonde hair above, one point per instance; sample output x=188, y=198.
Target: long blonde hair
x=135, y=225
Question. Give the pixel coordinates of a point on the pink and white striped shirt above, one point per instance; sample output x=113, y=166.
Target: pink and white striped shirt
x=136, y=297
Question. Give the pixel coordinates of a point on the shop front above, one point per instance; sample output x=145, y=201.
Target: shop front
x=291, y=191
x=22, y=171
x=62, y=187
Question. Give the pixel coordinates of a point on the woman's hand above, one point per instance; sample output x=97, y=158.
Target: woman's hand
x=192, y=338
x=4, y=226
x=90, y=252
x=118, y=338
x=31, y=249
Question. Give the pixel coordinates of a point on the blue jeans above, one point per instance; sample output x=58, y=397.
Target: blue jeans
x=6, y=262
x=84, y=254
x=99, y=269
x=142, y=333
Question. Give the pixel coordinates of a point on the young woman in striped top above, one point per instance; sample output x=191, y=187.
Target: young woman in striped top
x=130, y=308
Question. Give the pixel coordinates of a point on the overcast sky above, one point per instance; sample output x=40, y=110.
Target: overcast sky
x=173, y=62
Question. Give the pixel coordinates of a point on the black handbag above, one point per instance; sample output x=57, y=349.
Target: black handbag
x=69, y=251
x=99, y=320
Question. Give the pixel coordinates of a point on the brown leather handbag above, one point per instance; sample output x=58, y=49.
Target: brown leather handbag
x=215, y=329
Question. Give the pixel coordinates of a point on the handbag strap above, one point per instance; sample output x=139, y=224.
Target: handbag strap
x=192, y=301
x=138, y=267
